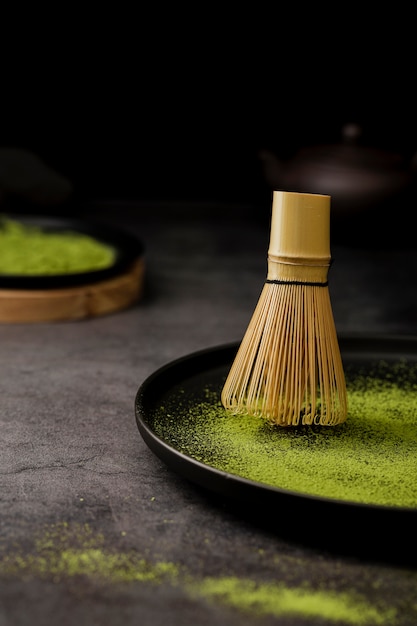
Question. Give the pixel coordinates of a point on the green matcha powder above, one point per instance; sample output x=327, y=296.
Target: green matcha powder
x=66, y=551
x=370, y=459
x=31, y=251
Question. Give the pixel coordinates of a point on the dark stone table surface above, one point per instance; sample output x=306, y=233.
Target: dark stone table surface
x=94, y=528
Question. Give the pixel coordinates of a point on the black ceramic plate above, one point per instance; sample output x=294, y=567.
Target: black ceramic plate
x=167, y=396
x=128, y=248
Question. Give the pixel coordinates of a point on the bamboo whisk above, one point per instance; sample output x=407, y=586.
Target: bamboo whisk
x=288, y=368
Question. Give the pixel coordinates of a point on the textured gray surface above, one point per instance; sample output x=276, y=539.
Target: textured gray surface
x=76, y=477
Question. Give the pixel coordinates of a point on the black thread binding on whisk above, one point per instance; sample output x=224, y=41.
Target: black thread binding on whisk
x=296, y=282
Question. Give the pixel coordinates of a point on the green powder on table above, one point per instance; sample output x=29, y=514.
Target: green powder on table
x=370, y=459
x=280, y=600
x=27, y=250
x=64, y=551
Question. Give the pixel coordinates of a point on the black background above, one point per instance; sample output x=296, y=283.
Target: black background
x=176, y=103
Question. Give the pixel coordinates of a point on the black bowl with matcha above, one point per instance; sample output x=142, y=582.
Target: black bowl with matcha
x=39, y=252
x=348, y=483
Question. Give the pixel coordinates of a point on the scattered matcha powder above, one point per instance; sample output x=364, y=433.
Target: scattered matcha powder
x=371, y=458
x=276, y=599
x=64, y=551
x=27, y=250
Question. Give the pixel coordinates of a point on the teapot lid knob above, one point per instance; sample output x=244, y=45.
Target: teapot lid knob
x=351, y=132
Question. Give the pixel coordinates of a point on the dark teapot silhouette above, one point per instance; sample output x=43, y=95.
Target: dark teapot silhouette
x=357, y=177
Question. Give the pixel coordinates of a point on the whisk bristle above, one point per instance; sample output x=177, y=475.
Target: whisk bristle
x=288, y=368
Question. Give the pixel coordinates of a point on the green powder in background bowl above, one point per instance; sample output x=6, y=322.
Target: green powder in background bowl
x=27, y=250
x=370, y=459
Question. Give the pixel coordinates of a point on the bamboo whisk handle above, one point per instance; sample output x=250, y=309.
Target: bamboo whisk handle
x=300, y=228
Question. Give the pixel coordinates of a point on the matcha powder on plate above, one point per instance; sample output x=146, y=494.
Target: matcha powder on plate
x=370, y=459
x=27, y=250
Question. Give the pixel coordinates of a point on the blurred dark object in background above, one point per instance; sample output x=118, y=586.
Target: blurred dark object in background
x=26, y=180
x=373, y=190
